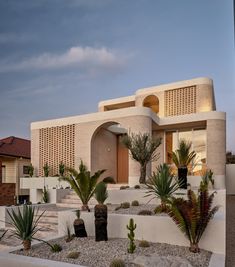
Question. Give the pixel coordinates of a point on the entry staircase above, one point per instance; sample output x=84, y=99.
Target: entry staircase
x=72, y=201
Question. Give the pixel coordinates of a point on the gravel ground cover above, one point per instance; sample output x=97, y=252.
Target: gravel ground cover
x=100, y=254
x=134, y=209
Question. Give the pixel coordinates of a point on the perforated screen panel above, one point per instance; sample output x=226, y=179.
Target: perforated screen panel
x=56, y=144
x=180, y=101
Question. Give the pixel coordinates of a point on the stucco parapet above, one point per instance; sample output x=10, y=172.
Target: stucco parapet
x=98, y=116
x=116, y=100
x=202, y=116
x=175, y=85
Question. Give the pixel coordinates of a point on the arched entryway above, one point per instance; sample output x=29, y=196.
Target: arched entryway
x=107, y=151
x=152, y=102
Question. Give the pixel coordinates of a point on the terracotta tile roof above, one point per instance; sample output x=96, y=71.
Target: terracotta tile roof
x=15, y=147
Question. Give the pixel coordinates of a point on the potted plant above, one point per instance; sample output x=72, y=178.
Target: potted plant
x=61, y=168
x=31, y=170
x=162, y=185
x=182, y=157
x=25, y=224
x=79, y=226
x=143, y=150
x=101, y=212
x=46, y=170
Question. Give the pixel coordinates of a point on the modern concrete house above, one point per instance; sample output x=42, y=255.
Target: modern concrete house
x=184, y=109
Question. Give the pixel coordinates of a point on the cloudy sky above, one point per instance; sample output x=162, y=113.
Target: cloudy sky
x=61, y=57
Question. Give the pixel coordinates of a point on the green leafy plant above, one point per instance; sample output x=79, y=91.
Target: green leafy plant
x=131, y=235
x=135, y=203
x=144, y=244
x=142, y=148
x=73, y=255
x=137, y=186
x=61, y=168
x=25, y=224
x=193, y=215
x=145, y=212
x=83, y=183
x=101, y=193
x=162, y=185
x=69, y=236
x=117, y=263
x=45, y=195
x=31, y=170
x=46, y=169
x=182, y=157
x=207, y=178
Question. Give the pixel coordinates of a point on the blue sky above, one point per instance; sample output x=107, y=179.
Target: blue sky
x=61, y=57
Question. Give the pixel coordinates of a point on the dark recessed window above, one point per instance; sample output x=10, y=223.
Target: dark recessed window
x=25, y=169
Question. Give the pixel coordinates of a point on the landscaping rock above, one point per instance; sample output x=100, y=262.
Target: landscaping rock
x=155, y=260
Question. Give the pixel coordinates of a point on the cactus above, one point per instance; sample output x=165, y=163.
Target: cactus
x=131, y=227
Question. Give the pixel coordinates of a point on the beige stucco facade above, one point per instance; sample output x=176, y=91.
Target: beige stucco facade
x=178, y=110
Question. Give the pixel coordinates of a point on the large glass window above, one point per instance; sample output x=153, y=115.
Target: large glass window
x=198, y=139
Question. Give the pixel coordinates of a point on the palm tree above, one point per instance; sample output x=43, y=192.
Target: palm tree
x=101, y=212
x=142, y=149
x=182, y=157
x=162, y=186
x=83, y=183
x=25, y=224
x=193, y=215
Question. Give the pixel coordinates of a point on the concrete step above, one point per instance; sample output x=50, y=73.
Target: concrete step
x=49, y=220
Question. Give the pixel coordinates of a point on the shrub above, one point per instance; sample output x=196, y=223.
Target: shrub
x=135, y=203
x=73, y=255
x=31, y=170
x=145, y=212
x=137, y=186
x=25, y=224
x=55, y=248
x=109, y=180
x=144, y=244
x=193, y=215
x=117, y=263
x=46, y=170
x=61, y=168
x=162, y=186
x=125, y=205
x=123, y=187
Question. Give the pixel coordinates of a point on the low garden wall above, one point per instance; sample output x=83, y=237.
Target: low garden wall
x=152, y=228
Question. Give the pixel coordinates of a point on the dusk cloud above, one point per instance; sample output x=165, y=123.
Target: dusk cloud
x=76, y=56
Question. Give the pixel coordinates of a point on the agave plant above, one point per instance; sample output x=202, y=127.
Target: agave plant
x=193, y=215
x=143, y=150
x=25, y=224
x=182, y=157
x=162, y=185
x=83, y=183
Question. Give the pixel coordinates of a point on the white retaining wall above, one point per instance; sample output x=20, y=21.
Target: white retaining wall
x=151, y=228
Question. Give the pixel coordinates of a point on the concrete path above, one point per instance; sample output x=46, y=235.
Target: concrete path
x=230, y=232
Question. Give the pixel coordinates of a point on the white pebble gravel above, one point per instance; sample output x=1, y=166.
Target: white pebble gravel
x=100, y=254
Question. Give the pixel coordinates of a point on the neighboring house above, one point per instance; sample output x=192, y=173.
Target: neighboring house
x=172, y=111
x=14, y=161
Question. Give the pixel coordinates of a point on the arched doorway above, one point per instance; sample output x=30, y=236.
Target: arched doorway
x=107, y=151
x=152, y=102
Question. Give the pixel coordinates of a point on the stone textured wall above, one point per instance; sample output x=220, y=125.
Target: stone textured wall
x=216, y=150
x=205, y=98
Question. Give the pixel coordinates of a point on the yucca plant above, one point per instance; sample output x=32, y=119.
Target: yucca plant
x=142, y=149
x=162, y=185
x=193, y=215
x=25, y=224
x=182, y=157
x=83, y=183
